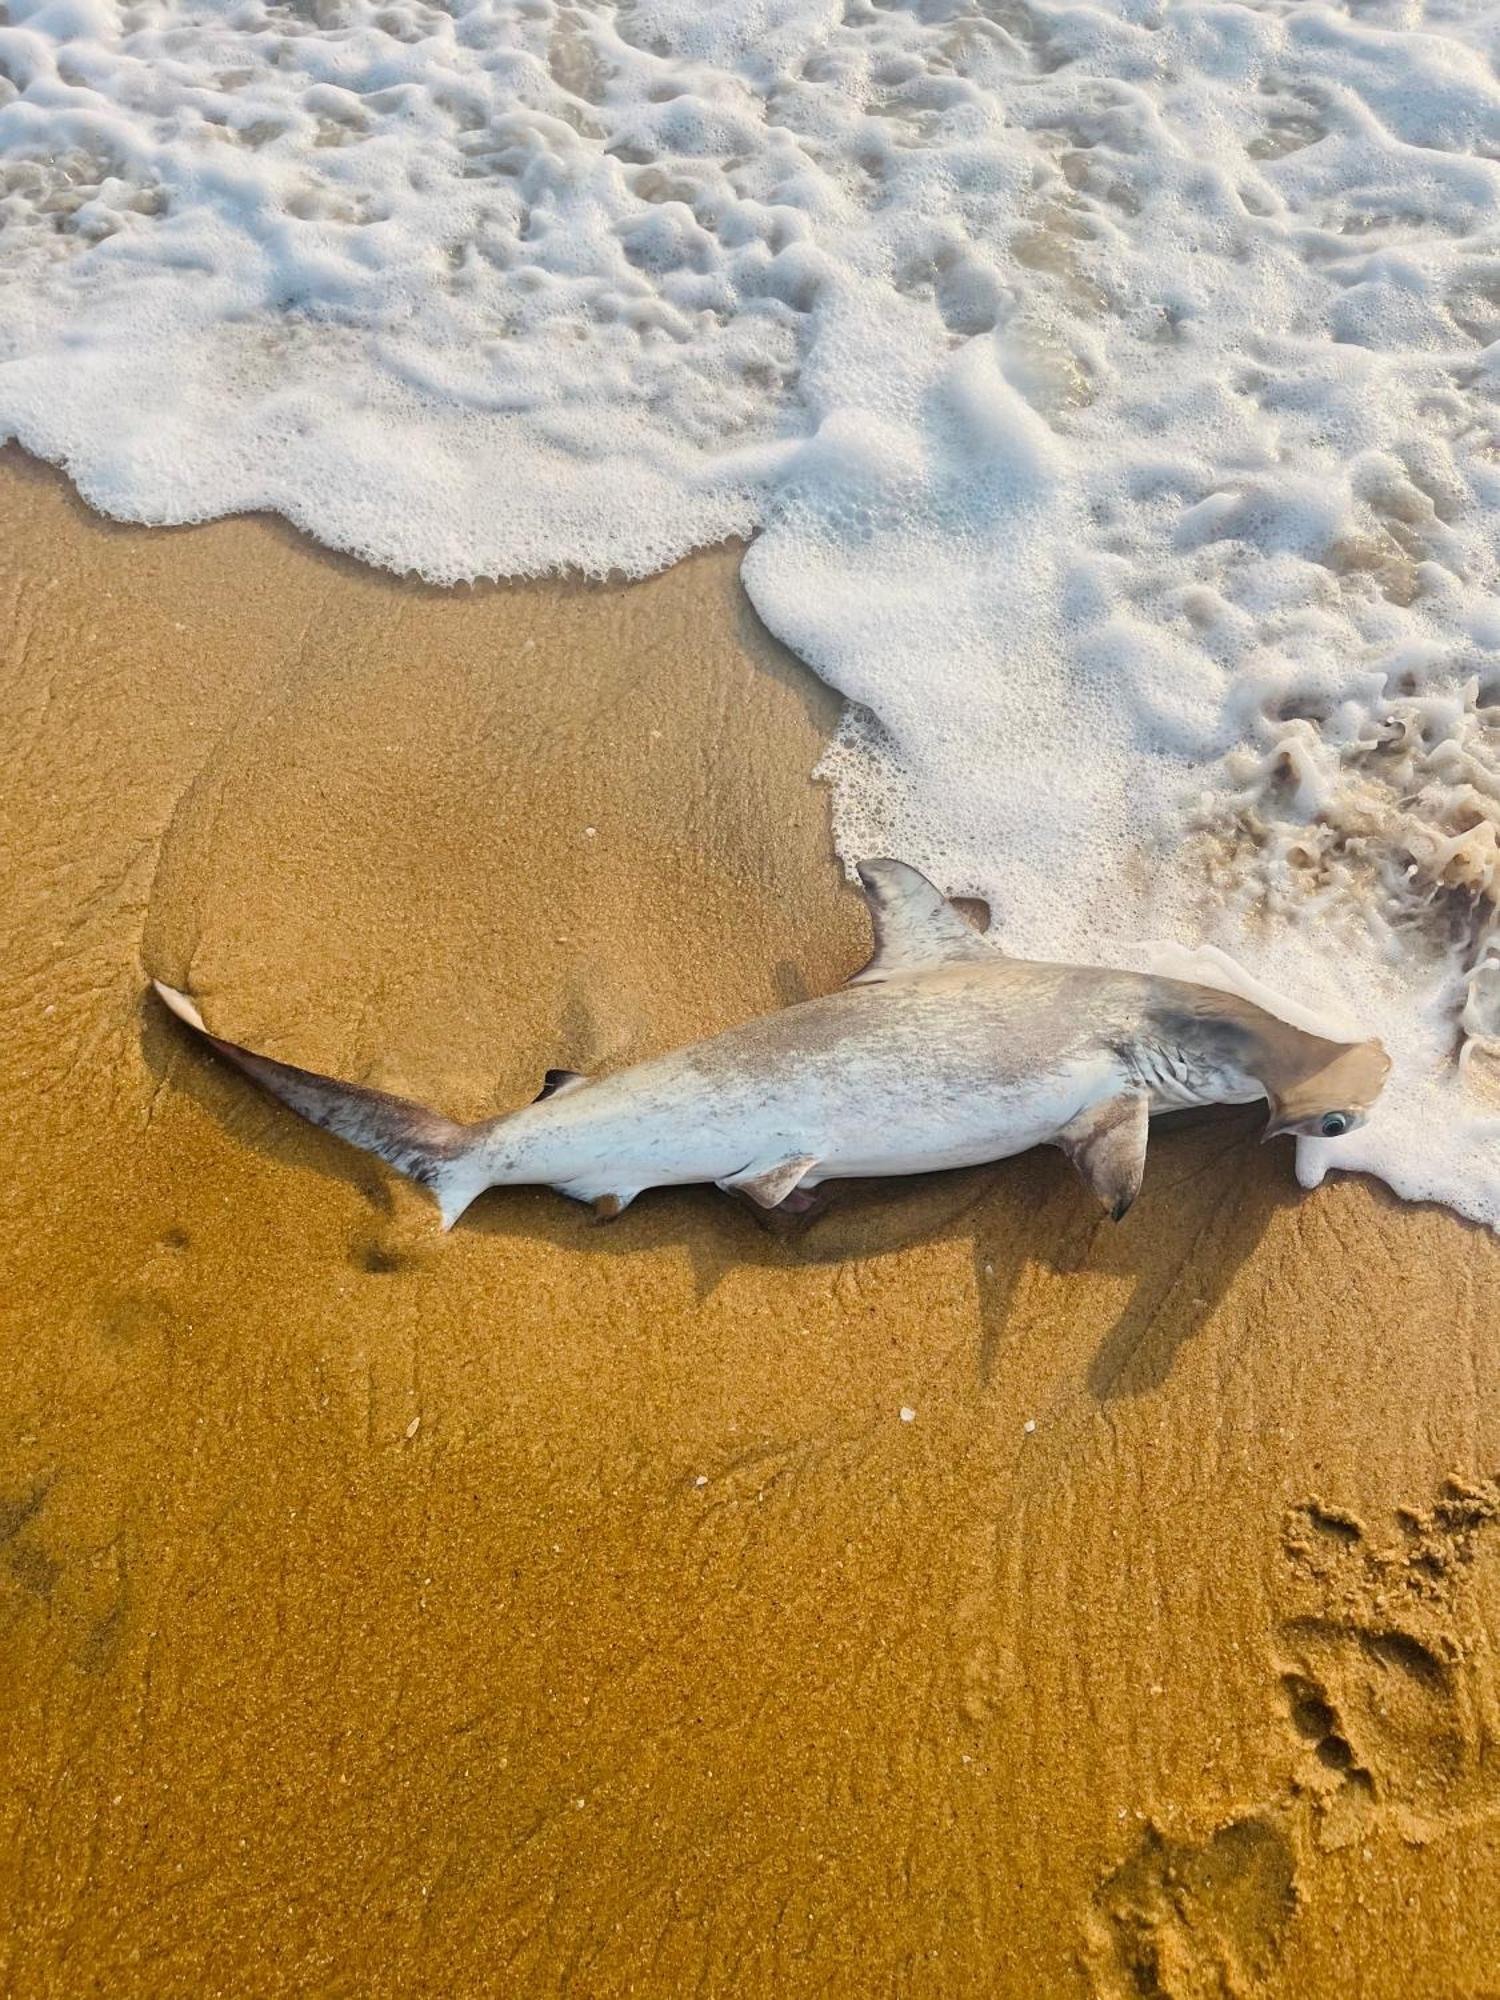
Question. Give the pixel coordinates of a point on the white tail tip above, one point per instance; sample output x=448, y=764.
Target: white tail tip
x=180, y=1005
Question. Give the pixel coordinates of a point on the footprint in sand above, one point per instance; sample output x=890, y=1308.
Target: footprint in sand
x=1193, y=1920
x=1388, y=1671
x=1391, y=1688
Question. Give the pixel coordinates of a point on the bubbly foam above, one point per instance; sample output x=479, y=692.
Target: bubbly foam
x=1113, y=387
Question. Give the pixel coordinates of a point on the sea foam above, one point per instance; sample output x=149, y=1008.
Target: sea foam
x=1111, y=390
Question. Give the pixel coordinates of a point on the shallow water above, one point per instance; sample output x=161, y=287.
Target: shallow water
x=1113, y=388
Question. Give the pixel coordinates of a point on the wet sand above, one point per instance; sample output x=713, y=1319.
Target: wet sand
x=550, y=1608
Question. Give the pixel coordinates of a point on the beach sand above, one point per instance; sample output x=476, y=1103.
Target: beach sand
x=552, y=1608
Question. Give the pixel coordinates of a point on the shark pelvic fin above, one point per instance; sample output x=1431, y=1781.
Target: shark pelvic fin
x=435, y=1151
x=1107, y=1144
x=556, y=1081
x=916, y=928
x=768, y=1183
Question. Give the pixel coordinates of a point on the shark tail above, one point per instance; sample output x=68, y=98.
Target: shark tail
x=437, y=1152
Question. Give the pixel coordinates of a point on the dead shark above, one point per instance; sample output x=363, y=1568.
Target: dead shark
x=942, y=1051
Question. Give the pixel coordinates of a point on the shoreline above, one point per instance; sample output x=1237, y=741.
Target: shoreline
x=550, y=1603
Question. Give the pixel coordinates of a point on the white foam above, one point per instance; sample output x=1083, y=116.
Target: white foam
x=1113, y=386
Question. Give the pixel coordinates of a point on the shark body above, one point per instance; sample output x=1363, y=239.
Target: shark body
x=942, y=1052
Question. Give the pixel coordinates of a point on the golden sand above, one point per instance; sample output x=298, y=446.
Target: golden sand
x=552, y=1609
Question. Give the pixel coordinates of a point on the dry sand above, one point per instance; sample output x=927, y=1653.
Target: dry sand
x=558, y=1609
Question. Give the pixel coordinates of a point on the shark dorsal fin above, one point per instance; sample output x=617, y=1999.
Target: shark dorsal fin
x=916, y=928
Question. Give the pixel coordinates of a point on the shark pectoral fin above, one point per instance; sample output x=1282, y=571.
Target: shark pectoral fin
x=768, y=1184
x=557, y=1081
x=916, y=927
x=1107, y=1144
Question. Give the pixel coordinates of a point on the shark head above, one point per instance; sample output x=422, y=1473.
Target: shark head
x=1331, y=1098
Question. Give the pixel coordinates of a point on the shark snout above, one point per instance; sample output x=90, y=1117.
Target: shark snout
x=1331, y=1099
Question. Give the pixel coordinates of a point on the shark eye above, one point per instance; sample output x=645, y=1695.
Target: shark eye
x=1334, y=1124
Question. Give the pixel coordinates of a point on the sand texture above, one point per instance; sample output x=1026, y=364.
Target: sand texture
x=560, y=1609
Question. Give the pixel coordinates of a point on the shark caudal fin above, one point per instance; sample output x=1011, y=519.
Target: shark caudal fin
x=422, y=1144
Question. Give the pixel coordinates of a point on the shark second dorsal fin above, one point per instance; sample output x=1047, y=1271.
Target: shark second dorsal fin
x=916, y=928
x=557, y=1081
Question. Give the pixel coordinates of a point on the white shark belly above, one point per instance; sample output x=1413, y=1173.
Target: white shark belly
x=998, y=1120
x=846, y=1118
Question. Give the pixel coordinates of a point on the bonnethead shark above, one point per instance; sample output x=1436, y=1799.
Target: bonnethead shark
x=943, y=1051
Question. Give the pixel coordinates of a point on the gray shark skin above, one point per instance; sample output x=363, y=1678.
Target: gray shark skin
x=942, y=1052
